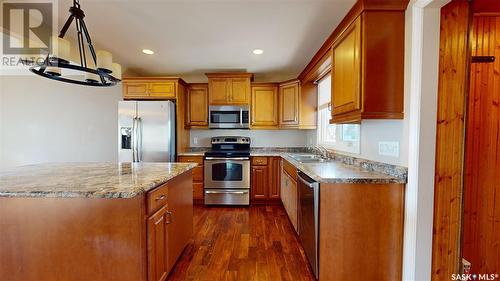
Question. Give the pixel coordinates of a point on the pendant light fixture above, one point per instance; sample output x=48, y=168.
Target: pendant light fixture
x=102, y=73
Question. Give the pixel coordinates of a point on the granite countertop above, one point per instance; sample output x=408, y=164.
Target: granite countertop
x=342, y=169
x=337, y=172
x=93, y=180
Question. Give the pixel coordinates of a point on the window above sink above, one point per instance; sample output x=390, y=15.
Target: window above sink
x=341, y=137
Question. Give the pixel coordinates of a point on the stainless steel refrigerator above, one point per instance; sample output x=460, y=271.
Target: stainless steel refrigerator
x=146, y=131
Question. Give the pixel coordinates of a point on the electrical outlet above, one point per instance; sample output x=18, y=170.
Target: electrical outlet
x=388, y=148
x=195, y=140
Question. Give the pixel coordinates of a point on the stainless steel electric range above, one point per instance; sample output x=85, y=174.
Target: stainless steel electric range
x=227, y=171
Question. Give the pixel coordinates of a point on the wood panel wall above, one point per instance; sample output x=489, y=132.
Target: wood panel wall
x=482, y=169
x=452, y=91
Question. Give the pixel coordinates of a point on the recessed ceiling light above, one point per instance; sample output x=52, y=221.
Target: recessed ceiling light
x=258, y=51
x=148, y=52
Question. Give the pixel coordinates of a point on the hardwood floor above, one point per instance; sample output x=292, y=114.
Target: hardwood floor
x=255, y=243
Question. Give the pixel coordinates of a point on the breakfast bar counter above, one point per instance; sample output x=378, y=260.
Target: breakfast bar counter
x=94, y=221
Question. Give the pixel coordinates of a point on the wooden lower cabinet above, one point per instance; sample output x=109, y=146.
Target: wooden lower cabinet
x=289, y=198
x=265, y=183
x=126, y=239
x=157, y=245
x=198, y=177
x=361, y=231
x=360, y=227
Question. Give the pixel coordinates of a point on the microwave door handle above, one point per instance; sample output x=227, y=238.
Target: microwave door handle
x=241, y=117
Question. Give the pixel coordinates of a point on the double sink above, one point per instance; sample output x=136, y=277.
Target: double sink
x=307, y=158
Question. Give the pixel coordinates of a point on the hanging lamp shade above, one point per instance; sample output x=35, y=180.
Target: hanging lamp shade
x=116, y=70
x=104, y=61
x=60, y=48
x=98, y=72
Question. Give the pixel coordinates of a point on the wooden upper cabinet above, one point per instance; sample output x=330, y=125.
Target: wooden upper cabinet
x=229, y=88
x=346, y=73
x=133, y=90
x=240, y=91
x=264, y=106
x=219, y=90
x=162, y=89
x=368, y=67
x=152, y=88
x=197, y=106
x=289, y=96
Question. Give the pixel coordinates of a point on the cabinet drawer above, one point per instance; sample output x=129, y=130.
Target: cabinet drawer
x=290, y=169
x=157, y=198
x=191, y=159
x=198, y=174
x=259, y=161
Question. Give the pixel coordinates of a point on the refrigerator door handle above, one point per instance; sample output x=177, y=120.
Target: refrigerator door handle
x=139, y=139
x=134, y=140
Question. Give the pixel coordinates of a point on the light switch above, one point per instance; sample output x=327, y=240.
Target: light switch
x=195, y=140
x=388, y=148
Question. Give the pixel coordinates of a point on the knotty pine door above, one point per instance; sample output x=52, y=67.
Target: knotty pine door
x=481, y=226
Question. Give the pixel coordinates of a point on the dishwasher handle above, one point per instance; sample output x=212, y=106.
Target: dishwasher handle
x=306, y=180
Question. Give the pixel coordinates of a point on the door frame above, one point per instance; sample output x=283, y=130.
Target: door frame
x=421, y=83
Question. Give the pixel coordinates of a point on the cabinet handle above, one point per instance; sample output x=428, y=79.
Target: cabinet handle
x=160, y=198
x=169, y=221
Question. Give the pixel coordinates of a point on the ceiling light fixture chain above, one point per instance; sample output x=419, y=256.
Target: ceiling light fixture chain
x=59, y=59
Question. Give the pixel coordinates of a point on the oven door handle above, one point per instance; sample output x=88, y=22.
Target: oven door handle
x=226, y=192
x=228, y=159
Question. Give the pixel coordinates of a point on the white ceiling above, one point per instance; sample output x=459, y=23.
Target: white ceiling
x=192, y=37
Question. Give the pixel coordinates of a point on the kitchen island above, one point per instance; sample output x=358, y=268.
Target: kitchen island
x=94, y=221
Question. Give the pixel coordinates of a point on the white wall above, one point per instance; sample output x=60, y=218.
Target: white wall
x=47, y=121
x=374, y=131
x=260, y=138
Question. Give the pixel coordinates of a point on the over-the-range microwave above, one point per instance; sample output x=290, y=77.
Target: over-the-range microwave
x=229, y=117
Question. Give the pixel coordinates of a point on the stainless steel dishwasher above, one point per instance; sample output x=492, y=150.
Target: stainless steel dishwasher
x=308, y=219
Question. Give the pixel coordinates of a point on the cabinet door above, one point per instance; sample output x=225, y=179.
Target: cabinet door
x=135, y=90
x=162, y=90
x=240, y=91
x=259, y=182
x=180, y=211
x=274, y=178
x=219, y=90
x=198, y=106
x=346, y=70
x=264, y=106
x=292, y=204
x=157, y=245
x=284, y=189
x=289, y=105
